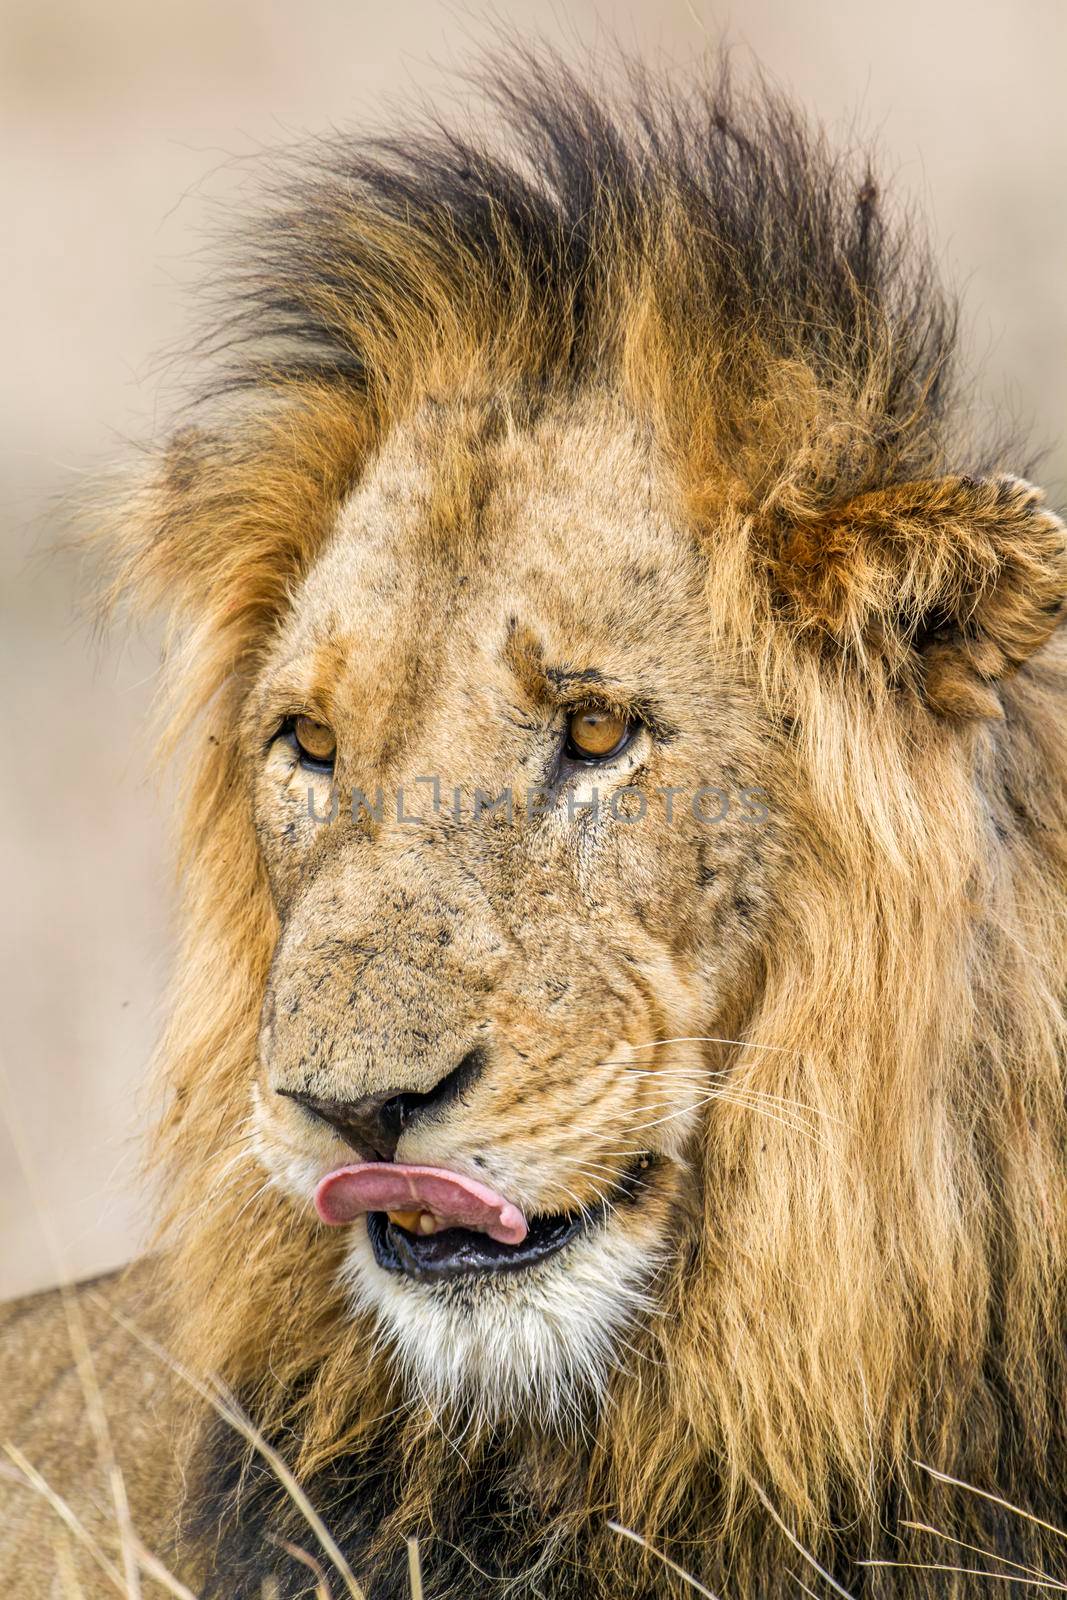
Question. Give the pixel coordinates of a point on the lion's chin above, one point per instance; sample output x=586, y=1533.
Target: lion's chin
x=538, y=1344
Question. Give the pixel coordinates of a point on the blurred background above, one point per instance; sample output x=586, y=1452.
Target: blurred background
x=124, y=129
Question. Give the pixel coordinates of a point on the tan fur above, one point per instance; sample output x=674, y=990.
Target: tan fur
x=855, y=1233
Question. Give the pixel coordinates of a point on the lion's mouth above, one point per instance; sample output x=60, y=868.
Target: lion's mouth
x=432, y=1224
x=462, y=1252
x=400, y=1245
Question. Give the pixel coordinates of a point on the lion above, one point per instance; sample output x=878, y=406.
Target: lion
x=615, y=1072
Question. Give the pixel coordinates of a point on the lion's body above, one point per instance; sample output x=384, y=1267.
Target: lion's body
x=653, y=425
x=45, y=1412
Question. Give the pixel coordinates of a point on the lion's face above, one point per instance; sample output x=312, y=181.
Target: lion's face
x=507, y=620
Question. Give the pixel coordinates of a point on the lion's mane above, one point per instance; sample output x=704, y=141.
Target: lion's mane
x=895, y=1295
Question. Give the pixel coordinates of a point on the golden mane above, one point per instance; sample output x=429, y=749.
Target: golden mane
x=897, y=1294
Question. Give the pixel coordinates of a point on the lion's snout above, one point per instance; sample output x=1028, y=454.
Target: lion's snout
x=373, y=1124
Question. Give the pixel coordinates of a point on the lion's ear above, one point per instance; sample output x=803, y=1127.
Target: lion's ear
x=953, y=581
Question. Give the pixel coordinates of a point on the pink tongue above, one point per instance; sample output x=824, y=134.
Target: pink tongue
x=454, y=1201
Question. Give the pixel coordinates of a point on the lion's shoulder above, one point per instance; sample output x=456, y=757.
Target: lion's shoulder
x=45, y=1417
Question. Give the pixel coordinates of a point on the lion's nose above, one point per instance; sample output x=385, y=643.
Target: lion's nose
x=373, y=1124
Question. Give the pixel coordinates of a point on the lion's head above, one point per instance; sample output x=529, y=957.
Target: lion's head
x=625, y=871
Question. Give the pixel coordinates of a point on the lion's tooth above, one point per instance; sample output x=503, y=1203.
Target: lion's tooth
x=423, y=1222
x=408, y=1220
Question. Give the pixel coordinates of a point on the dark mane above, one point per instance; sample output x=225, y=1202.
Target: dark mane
x=538, y=252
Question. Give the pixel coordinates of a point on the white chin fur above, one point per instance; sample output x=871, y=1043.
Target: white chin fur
x=539, y=1343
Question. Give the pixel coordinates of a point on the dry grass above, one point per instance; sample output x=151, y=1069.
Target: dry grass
x=137, y=1560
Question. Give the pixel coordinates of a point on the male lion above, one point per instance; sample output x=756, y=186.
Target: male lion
x=616, y=1069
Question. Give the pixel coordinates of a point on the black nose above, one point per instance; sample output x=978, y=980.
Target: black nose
x=373, y=1125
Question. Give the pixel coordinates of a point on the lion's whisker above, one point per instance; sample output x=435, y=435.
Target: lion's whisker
x=783, y=1102
x=727, y=1097
x=708, y=1038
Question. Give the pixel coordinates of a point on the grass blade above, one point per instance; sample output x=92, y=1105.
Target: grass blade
x=414, y=1570
x=639, y=1538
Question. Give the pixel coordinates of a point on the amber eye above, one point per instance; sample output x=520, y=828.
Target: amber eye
x=593, y=735
x=315, y=741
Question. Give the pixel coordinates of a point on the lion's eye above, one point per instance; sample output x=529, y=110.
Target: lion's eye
x=594, y=735
x=316, y=742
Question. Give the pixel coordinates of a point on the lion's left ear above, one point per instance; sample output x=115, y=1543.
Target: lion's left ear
x=956, y=580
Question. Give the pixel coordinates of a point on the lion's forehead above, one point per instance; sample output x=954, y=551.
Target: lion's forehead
x=565, y=527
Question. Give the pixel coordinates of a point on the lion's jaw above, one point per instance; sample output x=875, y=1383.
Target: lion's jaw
x=540, y=1344
x=574, y=956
